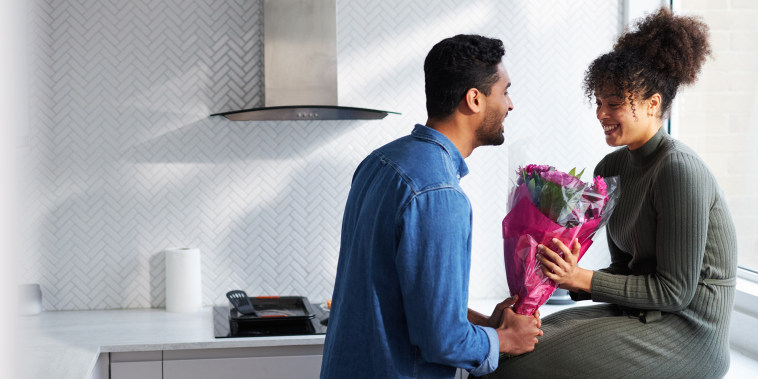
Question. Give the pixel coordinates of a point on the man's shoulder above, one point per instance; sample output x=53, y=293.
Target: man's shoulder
x=422, y=164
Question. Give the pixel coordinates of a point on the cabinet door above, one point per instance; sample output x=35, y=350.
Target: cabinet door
x=101, y=369
x=270, y=362
x=136, y=365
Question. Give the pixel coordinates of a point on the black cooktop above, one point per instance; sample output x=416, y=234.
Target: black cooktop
x=228, y=323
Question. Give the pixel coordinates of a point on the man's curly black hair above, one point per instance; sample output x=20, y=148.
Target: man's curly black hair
x=664, y=52
x=457, y=64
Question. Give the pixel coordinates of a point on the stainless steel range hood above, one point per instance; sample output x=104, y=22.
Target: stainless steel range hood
x=300, y=63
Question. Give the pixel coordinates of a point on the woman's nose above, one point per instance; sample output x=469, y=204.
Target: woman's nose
x=600, y=113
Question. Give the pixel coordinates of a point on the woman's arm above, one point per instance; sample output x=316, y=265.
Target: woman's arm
x=681, y=196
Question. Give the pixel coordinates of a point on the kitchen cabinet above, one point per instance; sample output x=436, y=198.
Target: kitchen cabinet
x=258, y=362
x=102, y=367
x=136, y=365
x=285, y=361
x=253, y=362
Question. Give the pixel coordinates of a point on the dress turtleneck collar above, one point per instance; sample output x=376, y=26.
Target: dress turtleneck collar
x=647, y=152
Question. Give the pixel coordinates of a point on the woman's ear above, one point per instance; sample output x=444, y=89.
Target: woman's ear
x=473, y=100
x=654, y=104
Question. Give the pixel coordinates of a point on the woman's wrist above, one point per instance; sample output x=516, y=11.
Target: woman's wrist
x=585, y=281
x=582, y=282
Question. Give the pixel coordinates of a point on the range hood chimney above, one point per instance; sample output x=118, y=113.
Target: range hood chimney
x=300, y=64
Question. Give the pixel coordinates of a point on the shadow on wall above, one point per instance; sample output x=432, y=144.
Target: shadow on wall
x=281, y=220
x=218, y=140
x=287, y=244
x=284, y=245
x=89, y=262
x=157, y=264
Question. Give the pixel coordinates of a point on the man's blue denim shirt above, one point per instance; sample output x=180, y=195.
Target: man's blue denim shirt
x=401, y=293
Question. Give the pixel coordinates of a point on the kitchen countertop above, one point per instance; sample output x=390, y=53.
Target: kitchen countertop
x=66, y=344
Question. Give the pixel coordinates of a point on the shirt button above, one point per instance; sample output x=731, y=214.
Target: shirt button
x=458, y=176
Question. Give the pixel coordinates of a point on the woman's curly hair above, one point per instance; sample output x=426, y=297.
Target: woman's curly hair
x=662, y=53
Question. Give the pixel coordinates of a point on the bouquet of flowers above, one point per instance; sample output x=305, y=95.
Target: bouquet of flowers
x=546, y=204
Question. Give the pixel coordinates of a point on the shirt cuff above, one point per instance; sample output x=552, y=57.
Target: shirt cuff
x=490, y=362
x=607, y=288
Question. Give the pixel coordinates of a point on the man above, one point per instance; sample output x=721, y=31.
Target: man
x=400, y=299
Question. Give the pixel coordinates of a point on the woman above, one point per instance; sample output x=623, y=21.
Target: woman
x=670, y=286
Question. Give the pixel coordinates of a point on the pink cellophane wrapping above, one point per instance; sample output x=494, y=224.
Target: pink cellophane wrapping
x=525, y=227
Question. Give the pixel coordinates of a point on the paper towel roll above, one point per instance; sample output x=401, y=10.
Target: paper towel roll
x=184, y=291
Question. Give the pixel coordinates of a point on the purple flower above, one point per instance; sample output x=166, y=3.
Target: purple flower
x=530, y=168
x=562, y=179
x=531, y=171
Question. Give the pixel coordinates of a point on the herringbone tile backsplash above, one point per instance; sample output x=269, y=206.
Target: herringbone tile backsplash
x=121, y=160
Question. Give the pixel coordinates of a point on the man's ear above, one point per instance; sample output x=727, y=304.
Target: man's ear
x=474, y=100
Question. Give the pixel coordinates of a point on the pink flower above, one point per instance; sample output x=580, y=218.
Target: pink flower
x=600, y=186
x=562, y=179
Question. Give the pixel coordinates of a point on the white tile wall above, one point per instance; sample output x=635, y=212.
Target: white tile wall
x=122, y=161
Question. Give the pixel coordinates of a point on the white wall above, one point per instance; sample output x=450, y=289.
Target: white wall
x=122, y=161
x=12, y=101
x=718, y=115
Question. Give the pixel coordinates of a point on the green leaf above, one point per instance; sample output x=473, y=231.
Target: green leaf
x=580, y=174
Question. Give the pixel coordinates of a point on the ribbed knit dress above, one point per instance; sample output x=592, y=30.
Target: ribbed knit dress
x=670, y=286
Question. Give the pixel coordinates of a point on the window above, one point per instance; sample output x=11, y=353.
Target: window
x=718, y=115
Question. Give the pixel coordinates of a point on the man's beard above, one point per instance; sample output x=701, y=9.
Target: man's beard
x=488, y=133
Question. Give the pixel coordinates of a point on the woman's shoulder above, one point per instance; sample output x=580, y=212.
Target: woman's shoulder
x=680, y=162
x=611, y=164
x=678, y=154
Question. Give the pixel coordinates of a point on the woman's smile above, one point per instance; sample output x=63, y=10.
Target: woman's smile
x=610, y=128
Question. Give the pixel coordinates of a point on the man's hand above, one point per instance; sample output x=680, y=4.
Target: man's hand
x=496, y=319
x=518, y=334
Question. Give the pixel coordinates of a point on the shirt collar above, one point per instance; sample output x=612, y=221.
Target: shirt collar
x=645, y=154
x=426, y=133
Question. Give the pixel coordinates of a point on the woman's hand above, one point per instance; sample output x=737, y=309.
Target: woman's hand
x=564, y=271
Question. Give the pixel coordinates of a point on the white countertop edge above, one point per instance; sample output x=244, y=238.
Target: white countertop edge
x=219, y=343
